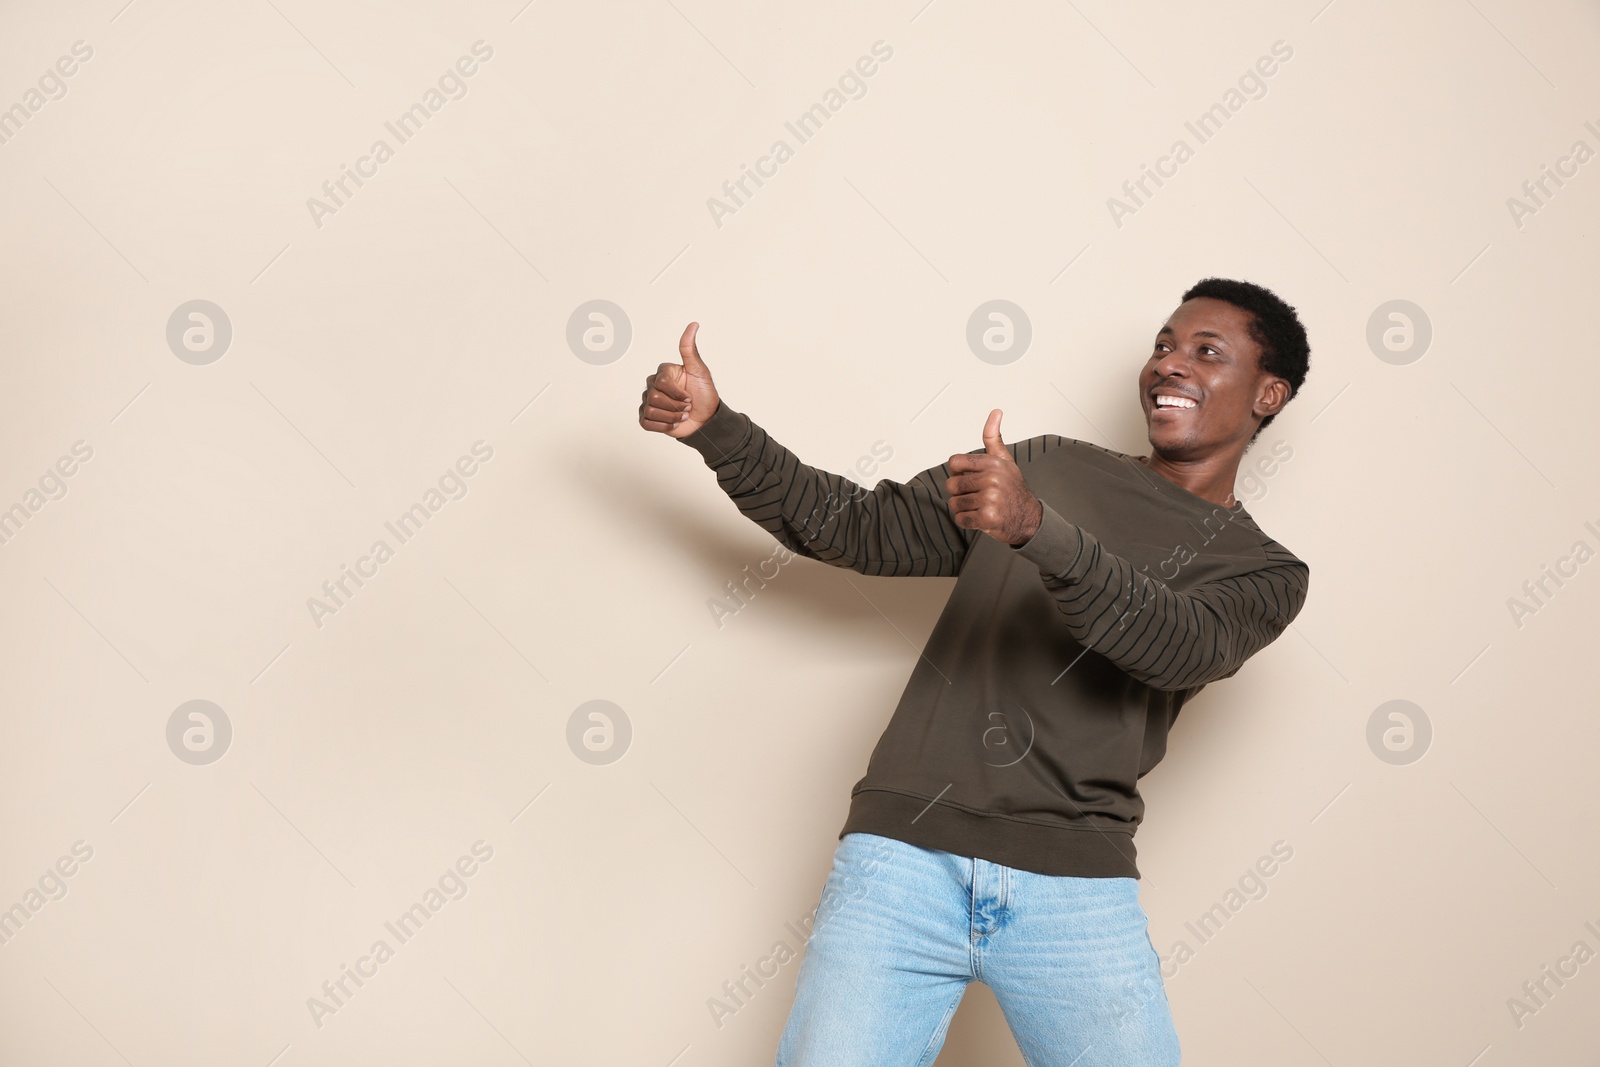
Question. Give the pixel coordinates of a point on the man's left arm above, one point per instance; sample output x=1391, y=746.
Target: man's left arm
x=1161, y=636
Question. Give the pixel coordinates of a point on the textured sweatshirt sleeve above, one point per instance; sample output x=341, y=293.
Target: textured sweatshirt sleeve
x=895, y=528
x=1163, y=637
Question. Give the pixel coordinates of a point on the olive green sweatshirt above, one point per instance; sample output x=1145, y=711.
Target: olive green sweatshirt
x=1058, y=666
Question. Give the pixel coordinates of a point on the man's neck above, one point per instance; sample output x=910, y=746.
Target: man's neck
x=1206, y=479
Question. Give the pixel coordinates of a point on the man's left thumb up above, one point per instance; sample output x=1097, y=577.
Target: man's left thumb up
x=991, y=436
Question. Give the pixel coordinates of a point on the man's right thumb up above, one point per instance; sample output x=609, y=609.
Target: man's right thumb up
x=691, y=352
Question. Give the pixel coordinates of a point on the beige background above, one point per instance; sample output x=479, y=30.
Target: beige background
x=430, y=712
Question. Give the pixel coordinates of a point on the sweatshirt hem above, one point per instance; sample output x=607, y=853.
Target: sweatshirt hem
x=1089, y=851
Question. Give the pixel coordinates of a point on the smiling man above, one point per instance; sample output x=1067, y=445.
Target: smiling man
x=991, y=838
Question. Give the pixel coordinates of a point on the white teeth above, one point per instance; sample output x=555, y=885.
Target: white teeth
x=1174, y=401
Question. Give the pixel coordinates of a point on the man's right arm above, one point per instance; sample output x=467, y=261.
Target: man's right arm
x=895, y=528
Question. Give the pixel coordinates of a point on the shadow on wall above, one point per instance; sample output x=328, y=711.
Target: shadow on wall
x=979, y=1036
x=711, y=537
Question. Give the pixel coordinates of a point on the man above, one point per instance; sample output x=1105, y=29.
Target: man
x=992, y=836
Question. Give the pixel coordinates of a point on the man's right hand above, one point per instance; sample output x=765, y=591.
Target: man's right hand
x=679, y=398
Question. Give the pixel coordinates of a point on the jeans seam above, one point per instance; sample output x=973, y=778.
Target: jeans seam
x=934, y=1041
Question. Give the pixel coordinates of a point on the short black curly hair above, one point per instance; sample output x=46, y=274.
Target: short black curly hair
x=1274, y=326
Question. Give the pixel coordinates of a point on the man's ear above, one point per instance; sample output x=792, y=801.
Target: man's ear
x=1271, y=397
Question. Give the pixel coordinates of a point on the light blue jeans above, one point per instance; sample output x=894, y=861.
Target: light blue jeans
x=901, y=931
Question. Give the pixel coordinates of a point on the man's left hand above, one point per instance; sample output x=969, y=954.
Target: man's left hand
x=988, y=493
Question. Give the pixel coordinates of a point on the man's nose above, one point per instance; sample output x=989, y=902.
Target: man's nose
x=1173, y=363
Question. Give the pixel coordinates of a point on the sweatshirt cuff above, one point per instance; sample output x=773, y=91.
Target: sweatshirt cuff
x=1055, y=546
x=723, y=434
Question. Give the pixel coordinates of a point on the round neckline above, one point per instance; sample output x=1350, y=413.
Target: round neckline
x=1237, y=505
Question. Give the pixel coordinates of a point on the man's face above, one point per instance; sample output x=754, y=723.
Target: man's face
x=1205, y=354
